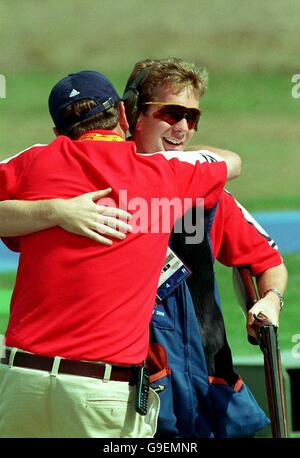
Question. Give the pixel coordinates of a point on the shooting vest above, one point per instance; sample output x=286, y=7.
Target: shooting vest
x=201, y=395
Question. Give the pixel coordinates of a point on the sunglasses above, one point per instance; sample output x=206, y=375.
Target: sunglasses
x=173, y=113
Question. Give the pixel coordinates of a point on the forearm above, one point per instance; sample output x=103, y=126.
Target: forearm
x=276, y=277
x=219, y=151
x=19, y=217
x=269, y=304
x=80, y=215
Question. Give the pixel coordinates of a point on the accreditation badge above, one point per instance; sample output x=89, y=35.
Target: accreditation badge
x=172, y=274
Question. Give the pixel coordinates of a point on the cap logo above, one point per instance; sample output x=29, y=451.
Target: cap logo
x=73, y=93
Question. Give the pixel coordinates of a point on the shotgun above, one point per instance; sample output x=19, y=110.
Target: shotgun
x=268, y=342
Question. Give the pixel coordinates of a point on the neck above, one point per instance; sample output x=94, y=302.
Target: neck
x=137, y=142
x=118, y=130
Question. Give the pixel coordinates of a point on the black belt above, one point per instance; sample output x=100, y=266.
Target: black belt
x=70, y=366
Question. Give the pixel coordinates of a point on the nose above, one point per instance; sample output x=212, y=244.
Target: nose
x=181, y=125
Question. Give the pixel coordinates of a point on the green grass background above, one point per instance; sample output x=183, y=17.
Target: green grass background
x=251, y=51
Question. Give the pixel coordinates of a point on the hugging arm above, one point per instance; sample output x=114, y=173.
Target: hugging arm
x=233, y=160
x=79, y=215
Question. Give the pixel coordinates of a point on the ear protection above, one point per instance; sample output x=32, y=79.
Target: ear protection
x=131, y=98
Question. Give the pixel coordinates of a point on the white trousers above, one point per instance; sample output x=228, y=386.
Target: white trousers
x=34, y=403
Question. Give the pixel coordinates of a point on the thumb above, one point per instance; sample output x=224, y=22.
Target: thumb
x=98, y=194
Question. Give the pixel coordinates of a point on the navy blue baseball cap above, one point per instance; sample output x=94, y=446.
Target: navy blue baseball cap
x=86, y=84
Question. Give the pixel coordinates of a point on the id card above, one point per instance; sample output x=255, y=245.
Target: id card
x=172, y=274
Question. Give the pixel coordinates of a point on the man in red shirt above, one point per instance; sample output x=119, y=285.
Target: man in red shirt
x=202, y=396
x=78, y=331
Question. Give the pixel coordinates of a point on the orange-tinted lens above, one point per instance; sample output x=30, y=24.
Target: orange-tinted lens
x=172, y=114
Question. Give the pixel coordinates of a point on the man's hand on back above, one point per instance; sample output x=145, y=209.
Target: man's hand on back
x=82, y=216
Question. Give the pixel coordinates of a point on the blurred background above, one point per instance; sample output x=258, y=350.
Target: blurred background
x=251, y=51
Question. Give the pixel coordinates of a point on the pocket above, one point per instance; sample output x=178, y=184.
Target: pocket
x=237, y=413
x=163, y=316
x=110, y=412
x=107, y=402
x=157, y=361
x=166, y=418
x=160, y=382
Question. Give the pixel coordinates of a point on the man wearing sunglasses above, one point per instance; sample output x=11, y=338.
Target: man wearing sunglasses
x=200, y=394
x=163, y=116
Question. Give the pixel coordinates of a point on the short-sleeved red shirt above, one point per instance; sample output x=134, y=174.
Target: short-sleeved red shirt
x=238, y=239
x=74, y=297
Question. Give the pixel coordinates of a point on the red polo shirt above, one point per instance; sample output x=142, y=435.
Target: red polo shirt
x=74, y=297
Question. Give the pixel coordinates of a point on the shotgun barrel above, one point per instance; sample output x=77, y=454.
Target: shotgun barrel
x=268, y=342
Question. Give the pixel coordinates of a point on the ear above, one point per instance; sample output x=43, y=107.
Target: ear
x=56, y=132
x=122, y=118
x=138, y=126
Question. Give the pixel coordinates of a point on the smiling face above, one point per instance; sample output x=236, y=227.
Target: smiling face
x=153, y=134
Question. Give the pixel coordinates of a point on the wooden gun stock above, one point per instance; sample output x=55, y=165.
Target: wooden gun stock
x=268, y=342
